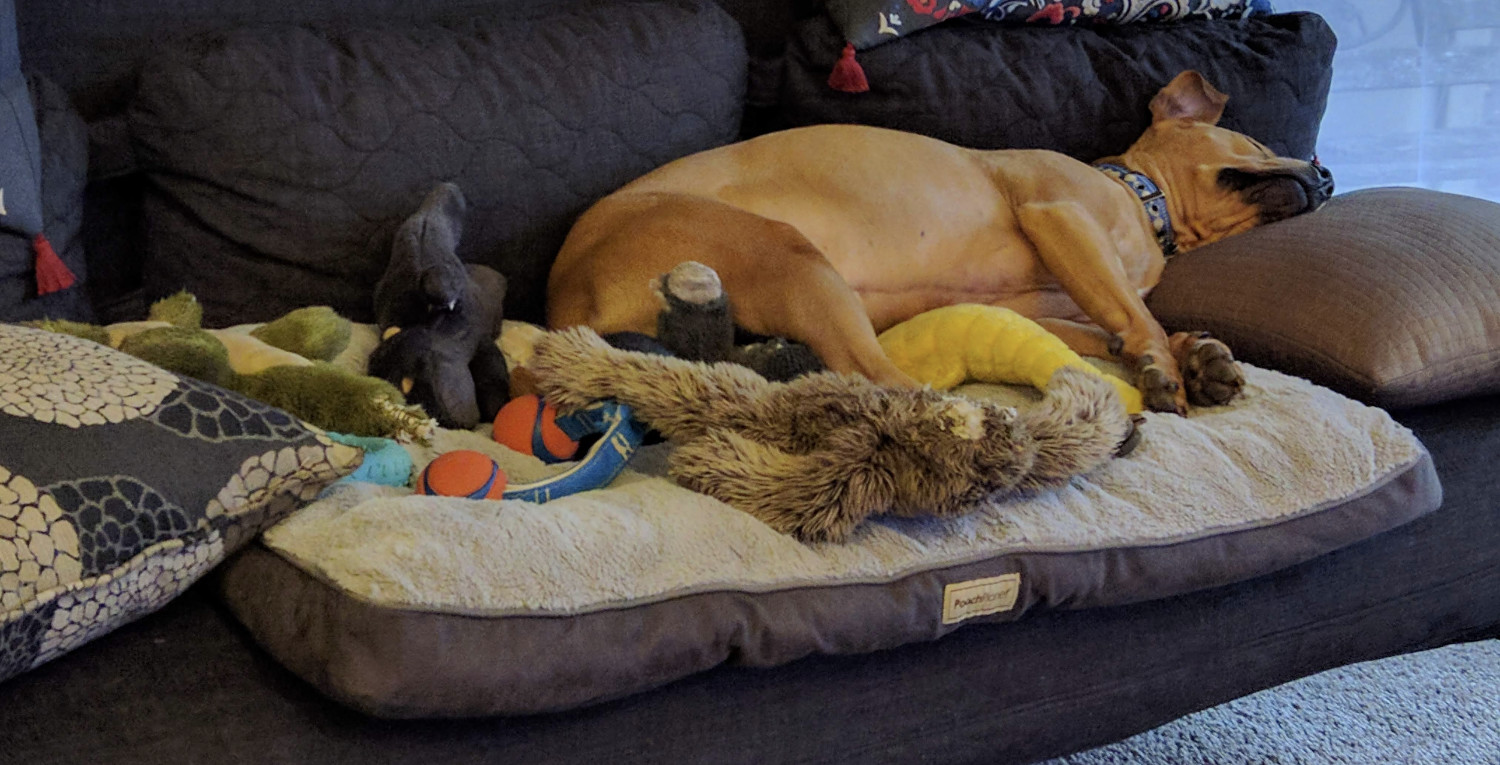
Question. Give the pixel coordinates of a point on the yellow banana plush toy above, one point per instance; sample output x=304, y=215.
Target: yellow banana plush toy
x=948, y=346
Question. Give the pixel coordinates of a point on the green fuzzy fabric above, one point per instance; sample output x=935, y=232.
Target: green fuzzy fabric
x=180, y=310
x=316, y=333
x=335, y=399
x=189, y=352
x=74, y=328
x=327, y=396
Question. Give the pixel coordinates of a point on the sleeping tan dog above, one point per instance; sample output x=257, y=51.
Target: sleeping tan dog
x=830, y=234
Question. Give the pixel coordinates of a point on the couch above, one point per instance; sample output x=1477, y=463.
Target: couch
x=189, y=683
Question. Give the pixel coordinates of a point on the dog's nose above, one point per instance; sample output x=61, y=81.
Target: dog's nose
x=1325, y=179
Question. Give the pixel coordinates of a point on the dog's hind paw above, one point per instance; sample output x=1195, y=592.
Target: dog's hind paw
x=1209, y=370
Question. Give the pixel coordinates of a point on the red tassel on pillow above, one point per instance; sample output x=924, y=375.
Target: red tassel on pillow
x=848, y=76
x=52, y=275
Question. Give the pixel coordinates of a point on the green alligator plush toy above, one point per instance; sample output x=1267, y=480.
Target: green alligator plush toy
x=285, y=363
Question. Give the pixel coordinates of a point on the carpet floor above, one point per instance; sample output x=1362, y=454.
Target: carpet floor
x=1437, y=707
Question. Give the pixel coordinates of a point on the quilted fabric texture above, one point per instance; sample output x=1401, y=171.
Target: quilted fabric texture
x=868, y=23
x=1387, y=295
x=64, y=171
x=121, y=484
x=1079, y=90
x=281, y=160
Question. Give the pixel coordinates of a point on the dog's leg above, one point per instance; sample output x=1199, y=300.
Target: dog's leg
x=1209, y=371
x=790, y=290
x=818, y=308
x=778, y=282
x=1084, y=339
x=1082, y=257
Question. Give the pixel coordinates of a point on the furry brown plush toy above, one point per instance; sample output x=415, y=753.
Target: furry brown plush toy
x=816, y=456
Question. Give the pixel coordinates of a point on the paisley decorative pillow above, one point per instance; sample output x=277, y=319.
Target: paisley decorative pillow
x=121, y=484
x=867, y=23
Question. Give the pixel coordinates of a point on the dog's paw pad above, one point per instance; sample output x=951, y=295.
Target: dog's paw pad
x=1158, y=389
x=1209, y=370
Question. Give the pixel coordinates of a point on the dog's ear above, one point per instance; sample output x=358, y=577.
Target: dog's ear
x=1189, y=96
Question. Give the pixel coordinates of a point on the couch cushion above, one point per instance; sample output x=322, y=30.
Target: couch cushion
x=281, y=159
x=1388, y=295
x=121, y=484
x=1079, y=90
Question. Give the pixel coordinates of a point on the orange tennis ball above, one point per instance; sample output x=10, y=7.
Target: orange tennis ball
x=462, y=473
x=529, y=425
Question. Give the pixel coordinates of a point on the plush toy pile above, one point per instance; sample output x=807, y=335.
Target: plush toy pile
x=816, y=456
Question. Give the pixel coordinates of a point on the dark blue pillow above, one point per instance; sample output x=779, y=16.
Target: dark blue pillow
x=43, y=169
x=20, y=149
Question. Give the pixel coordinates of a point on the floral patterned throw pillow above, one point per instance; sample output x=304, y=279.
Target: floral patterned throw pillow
x=867, y=23
x=121, y=484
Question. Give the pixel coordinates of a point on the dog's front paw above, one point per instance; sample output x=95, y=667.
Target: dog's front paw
x=1160, y=390
x=1209, y=370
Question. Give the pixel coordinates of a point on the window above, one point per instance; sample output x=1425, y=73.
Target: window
x=1416, y=94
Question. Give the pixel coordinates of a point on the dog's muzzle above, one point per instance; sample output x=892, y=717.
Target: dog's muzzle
x=1322, y=188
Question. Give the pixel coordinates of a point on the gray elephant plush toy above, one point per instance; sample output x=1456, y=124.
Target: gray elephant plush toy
x=439, y=318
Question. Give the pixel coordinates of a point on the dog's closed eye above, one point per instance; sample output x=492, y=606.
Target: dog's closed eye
x=1276, y=195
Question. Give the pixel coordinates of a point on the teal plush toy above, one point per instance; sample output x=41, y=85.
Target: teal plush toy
x=386, y=462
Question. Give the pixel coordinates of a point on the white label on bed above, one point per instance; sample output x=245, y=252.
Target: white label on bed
x=977, y=597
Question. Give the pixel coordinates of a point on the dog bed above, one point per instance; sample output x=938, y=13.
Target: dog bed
x=412, y=606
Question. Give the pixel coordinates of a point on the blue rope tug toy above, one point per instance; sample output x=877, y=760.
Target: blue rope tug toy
x=619, y=436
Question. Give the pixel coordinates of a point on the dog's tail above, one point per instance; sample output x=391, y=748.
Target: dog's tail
x=1079, y=425
x=575, y=367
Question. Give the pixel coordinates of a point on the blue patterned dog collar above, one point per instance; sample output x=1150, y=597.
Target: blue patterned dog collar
x=1154, y=201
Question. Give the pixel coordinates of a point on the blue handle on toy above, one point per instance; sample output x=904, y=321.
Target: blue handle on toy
x=605, y=459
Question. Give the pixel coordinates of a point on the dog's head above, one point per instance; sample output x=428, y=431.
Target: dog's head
x=1218, y=182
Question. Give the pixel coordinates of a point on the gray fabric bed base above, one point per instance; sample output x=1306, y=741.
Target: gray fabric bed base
x=393, y=663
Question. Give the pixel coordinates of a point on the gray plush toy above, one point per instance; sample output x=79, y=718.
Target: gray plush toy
x=439, y=318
